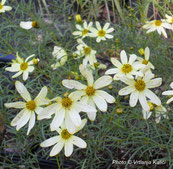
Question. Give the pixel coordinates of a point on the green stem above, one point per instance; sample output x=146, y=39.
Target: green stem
x=58, y=162
x=117, y=4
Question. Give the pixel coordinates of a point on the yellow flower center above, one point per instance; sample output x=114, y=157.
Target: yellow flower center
x=140, y=85
x=24, y=66
x=145, y=62
x=90, y=91
x=158, y=22
x=151, y=105
x=101, y=33
x=30, y=105
x=126, y=68
x=85, y=31
x=65, y=134
x=1, y=6
x=87, y=50
x=66, y=102
x=35, y=24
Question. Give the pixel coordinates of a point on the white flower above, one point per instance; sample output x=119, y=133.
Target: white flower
x=169, y=93
x=169, y=19
x=83, y=31
x=29, y=108
x=4, y=8
x=158, y=25
x=90, y=93
x=145, y=61
x=68, y=109
x=126, y=68
x=29, y=24
x=60, y=55
x=21, y=66
x=158, y=110
x=101, y=33
x=66, y=140
x=139, y=90
x=85, y=51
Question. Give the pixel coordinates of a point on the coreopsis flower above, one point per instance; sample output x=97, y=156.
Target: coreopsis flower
x=145, y=61
x=126, y=68
x=139, y=89
x=169, y=19
x=4, y=8
x=60, y=55
x=159, y=111
x=29, y=24
x=101, y=33
x=78, y=18
x=169, y=93
x=21, y=66
x=83, y=31
x=66, y=140
x=157, y=25
x=29, y=108
x=65, y=109
x=84, y=50
x=91, y=93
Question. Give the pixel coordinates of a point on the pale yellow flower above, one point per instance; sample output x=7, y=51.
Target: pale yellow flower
x=4, y=8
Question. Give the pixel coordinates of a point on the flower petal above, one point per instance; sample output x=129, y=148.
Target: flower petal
x=31, y=122
x=26, y=25
x=123, y=57
x=106, y=96
x=18, y=105
x=112, y=71
x=73, y=84
x=100, y=102
x=152, y=97
x=68, y=149
x=126, y=90
x=102, y=82
x=143, y=102
x=51, y=141
x=154, y=83
x=22, y=91
x=75, y=117
x=57, y=148
x=78, y=142
x=134, y=98
x=116, y=63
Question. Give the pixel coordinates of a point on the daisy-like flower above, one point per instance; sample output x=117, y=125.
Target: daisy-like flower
x=21, y=66
x=91, y=93
x=139, y=90
x=126, y=68
x=83, y=31
x=158, y=110
x=66, y=140
x=158, y=25
x=29, y=24
x=145, y=61
x=169, y=19
x=85, y=51
x=4, y=8
x=169, y=93
x=29, y=108
x=60, y=55
x=68, y=109
x=101, y=33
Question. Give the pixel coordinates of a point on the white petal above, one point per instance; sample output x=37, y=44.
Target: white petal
x=18, y=117
x=126, y=90
x=112, y=71
x=85, y=107
x=98, y=25
x=7, y=8
x=22, y=91
x=18, y=105
x=57, y=148
x=84, y=121
x=106, y=26
x=143, y=102
x=91, y=115
x=171, y=85
x=123, y=57
x=134, y=98
x=100, y=102
x=169, y=100
x=169, y=92
x=106, y=96
x=147, y=53
x=70, y=125
x=78, y=142
x=152, y=97
x=25, y=75
x=116, y=63
x=132, y=58
x=109, y=30
x=51, y=141
x=76, y=95
x=73, y=84
x=75, y=117
x=3, y=2
x=102, y=82
x=57, y=120
x=68, y=149
x=87, y=74
x=23, y=120
x=154, y=83
x=26, y=25
x=109, y=36
x=17, y=74
x=151, y=29
x=146, y=114
x=31, y=122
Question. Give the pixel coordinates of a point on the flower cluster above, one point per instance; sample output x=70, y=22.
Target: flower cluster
x=88, y=96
